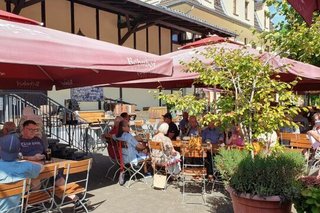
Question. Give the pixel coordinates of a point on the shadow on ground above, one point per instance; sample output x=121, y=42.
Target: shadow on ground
x=220, y=204
x=100, y=165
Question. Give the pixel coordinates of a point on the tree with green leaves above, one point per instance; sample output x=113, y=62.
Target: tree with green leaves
x=253, y=96
x=292, y=37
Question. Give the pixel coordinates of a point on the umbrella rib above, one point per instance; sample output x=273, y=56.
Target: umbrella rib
x=45, y=72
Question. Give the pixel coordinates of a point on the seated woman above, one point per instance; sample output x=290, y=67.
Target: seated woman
x=170, y=156
x=193, y=127
x=133, y=153
x=236, y=138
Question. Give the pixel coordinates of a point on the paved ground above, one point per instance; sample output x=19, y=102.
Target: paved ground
x=108, y=196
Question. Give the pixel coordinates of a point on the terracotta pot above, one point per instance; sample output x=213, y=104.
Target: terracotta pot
x=244, y=203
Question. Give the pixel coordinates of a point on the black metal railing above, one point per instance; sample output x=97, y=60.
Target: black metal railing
x=59, y=122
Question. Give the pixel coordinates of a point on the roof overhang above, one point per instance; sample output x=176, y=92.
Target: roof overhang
x=145, y=13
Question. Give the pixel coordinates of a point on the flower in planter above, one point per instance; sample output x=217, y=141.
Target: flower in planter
x=309, y=199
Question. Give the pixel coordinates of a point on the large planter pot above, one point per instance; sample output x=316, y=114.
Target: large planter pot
x=244, y=203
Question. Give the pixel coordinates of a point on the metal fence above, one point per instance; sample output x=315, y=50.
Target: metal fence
x=58, y=121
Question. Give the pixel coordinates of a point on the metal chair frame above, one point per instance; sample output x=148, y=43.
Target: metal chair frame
x=46, y=193
x=130, y=167
x=196, y=154
x=155, y=145
x=68, y=189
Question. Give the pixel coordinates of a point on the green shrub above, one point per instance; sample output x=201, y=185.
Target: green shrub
x=270, y=175
x=228, y=161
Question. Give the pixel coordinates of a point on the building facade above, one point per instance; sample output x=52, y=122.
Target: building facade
x=158, y=27
x=238, y=16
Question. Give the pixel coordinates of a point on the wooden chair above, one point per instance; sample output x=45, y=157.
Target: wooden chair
x=114, y=157
x=302, y=145
x=155, y=146
x=287, y=137
x=194, y=167
x=14, y=189
x=46, y=192
x=77, y=187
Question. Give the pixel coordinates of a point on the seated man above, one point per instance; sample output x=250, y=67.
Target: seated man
x=183, y=124
x=212, y=134
x=33, y=149
x=173, y=131
x=12, y=171
x=193, y=127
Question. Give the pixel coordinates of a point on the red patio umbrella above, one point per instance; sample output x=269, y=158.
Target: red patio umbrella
x=179, y=78
x=305, y=8
x=34, y=57
x=207, y=41
x=310, y=74
x=15, y=18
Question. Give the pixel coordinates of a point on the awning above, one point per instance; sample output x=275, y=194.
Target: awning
x=310, y=74
x=34, y=57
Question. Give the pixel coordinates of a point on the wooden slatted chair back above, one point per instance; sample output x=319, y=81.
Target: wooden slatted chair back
x=48, y=171
x=301, y=144
x=11, y=189
x=193, y=153
x=288, y=136
x=155, y=145
x=138, y=123
x=78, y=166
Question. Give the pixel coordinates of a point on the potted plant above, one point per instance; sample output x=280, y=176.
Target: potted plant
x=267, y=183
x=255, y=99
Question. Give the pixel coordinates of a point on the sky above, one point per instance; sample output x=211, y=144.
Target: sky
x=276, y=18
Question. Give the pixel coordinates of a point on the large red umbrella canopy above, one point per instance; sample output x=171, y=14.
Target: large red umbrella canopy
x=15, y=18
x=207, y=41
x=34, y=57
x=305, y=8
x=310, y=74
x=179, y=78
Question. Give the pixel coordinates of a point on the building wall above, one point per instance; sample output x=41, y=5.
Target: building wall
x=240, y=10
x=86, y=23
x=61, y=20
x=264, y=19
x=108, y=27
x=244, y=30
x=33, y=12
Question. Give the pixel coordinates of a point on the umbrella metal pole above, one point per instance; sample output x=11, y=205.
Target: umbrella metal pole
x=120, y=93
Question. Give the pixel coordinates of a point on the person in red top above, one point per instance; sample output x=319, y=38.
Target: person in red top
x=108, y=136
